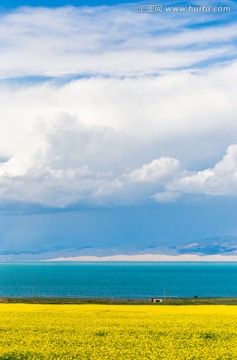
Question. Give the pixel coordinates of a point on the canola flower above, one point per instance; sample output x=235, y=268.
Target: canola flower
x=131, y=332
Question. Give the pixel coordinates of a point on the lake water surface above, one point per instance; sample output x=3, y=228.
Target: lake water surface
x=118, y=279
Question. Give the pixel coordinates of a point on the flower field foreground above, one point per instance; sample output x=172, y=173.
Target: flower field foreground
x=118, y=332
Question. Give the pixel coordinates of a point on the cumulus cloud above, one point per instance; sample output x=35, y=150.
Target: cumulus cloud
x=67, y=164
x=164, y=116
x=98, y=117
x=125, y=79
x=74, y=164
x=220, y=180
x=216, y=181
x=156, y=171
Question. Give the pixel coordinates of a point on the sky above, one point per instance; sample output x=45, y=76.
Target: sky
x=118, y=130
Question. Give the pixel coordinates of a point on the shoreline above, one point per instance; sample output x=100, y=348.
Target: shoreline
x=121, y=301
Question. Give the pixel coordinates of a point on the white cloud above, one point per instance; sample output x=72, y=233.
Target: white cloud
x=216, y=181
x=164, y=116
x=66, y=165
x=71, y=163
x=156, y=171
x=123, y=138
x=78, y=41
x=166, y=196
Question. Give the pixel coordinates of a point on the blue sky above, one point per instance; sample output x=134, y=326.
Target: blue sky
x=43, y=3
x=118, y=129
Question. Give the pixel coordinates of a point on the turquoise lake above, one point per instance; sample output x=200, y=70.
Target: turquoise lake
x=118, y=279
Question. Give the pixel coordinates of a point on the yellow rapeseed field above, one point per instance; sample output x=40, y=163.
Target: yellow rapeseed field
x=129, y=332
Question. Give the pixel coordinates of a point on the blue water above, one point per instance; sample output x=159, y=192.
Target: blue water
x=118, y=280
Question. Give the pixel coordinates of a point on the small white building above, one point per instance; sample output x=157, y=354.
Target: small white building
x=156, y=300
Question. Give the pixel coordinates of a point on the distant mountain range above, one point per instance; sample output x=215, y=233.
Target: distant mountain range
x=226, y=246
